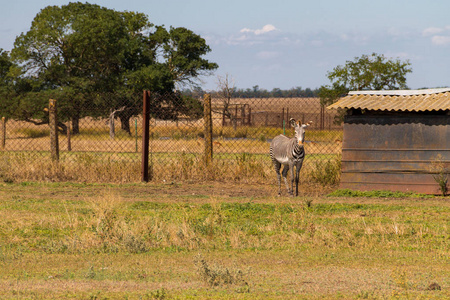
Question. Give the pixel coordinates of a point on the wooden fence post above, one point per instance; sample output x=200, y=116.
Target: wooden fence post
x=54, y=144
x=322, y=117
x=208, y=129
x=69, y=142
x=3, y=136
x=145, y=136
x=287, y=115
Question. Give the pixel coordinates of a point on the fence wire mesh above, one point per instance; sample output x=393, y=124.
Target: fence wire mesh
x=103, y=144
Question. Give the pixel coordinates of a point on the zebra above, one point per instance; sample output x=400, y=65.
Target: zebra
x=290, y=153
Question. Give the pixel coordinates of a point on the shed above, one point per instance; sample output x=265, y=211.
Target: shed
x=396, y=140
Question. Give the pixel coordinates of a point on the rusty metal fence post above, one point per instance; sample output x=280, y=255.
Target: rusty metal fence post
x=145, y=136
x=3, y=135
x=208, y=129
x=54, y=143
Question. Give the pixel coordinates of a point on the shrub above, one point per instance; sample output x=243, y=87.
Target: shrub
x=440, y=174
x=327, y=172
x=217, y=275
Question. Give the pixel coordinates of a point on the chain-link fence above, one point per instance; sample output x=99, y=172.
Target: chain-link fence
x=103, y=144
x=96, y=143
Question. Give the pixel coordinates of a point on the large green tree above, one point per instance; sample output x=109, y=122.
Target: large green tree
x=11, y=87
x=96, y=60
x=182, y=52
x=5, y=82
x=368, y=72
x=5, y=65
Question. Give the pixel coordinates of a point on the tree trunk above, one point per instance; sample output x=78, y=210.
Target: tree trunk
x=112, y=132
x=125, y=123
x=75, y=125
x=62, y=127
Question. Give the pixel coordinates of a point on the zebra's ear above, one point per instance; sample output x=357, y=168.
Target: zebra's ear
x=292, y=122
x=307, y=124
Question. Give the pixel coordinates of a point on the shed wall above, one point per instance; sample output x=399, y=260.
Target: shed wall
x=395, y=152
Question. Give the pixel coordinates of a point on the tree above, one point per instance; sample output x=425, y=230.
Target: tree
x=78, y=51
x=11, y=86
x=5, y=66
x=182, y=51
x=96, y=60
x=5, y=80
x=368, y=72
x=276, y=92
x=226, y=90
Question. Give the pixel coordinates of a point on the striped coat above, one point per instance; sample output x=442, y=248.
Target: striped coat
x=284, y=149
x=290, y=153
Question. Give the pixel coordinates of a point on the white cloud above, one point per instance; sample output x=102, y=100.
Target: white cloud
x=267, y=68
x=440, y=36
x=266, y=28
x=267, y=54
x=432, y=31
x=440, y=40
x=402, y=55
x=251, y=37
x=355, y=38
x=317, y=43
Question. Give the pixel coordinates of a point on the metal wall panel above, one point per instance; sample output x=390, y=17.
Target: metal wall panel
x=395, y=152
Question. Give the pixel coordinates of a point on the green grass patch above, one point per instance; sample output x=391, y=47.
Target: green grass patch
x=376, y=194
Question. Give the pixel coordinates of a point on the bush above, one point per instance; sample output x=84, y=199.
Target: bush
x=327, y=172
x=217, y=275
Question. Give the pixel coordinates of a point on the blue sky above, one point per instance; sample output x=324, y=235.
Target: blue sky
x=288, y=43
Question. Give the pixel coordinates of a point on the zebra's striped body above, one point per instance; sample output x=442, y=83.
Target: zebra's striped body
x=290, y=153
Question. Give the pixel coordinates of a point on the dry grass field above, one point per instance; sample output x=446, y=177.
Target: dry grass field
x=219, y=241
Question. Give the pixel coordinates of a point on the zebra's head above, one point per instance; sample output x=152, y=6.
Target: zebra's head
x=299, y=130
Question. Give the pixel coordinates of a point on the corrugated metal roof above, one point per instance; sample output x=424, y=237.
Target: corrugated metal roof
x=397, y=100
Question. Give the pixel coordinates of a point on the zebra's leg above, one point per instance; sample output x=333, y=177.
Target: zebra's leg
x=285, y=172
x=292, y=179
x=277, y=167
x=297, y=176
